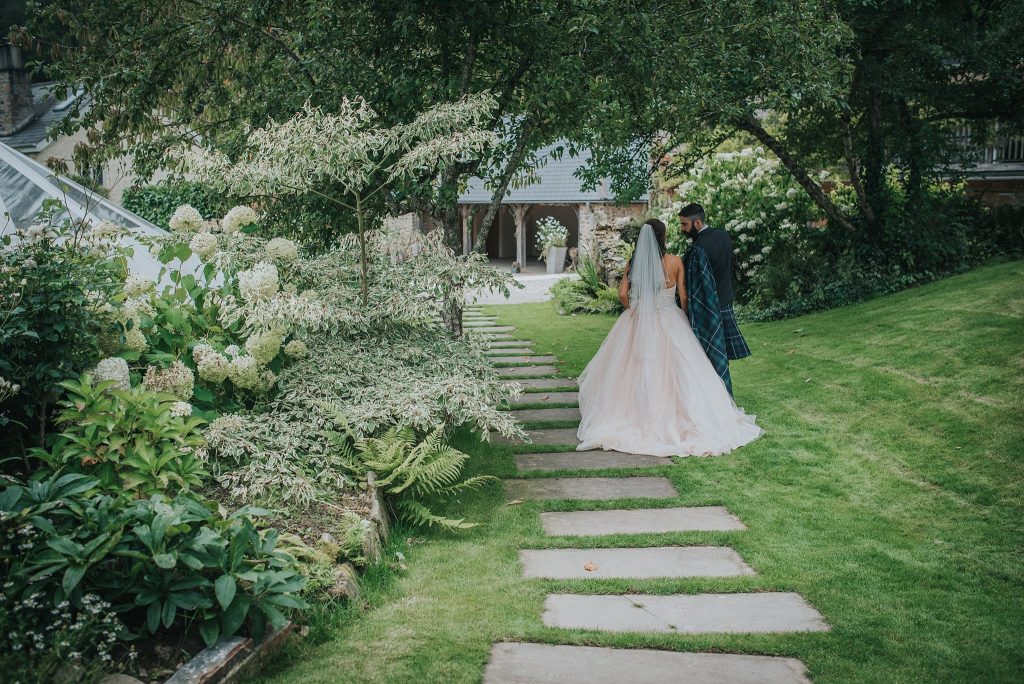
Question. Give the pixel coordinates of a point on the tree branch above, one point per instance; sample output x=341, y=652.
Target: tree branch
x=753, y=126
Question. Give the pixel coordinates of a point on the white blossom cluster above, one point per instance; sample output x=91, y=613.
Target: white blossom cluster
x=204, y=245
x=186, y=219
x=237, y=218
x=176, y=379
x=212, y=366
x=261, y=282
x=137, y=286
x=283, y=250
x=114, y=368
x=8, y=389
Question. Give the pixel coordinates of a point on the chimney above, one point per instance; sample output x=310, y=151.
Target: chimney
x=15, y=90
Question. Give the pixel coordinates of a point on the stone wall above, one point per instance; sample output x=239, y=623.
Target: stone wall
x=15, y=92
x=594, y=215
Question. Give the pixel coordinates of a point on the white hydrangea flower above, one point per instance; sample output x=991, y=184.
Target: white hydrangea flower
x=177, y=379
x=296, y=349
x=766, y=249
x=782, y=205
x=244, y=371
x=237, y=218
x=135, y=341
x=211, y=364
x=232, y=350
x=265, y=345
x=261, y=282
x=791, y=193
x=136, y=286
x=283, y=250
x=186, y=218
x=204, y=245
x=181, y=409
x=114, y=368
x=824, y=174
x=267, y=380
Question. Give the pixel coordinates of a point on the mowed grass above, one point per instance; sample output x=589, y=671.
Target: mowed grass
x=888, y=490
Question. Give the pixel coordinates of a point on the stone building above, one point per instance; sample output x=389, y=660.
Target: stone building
x=555, y=191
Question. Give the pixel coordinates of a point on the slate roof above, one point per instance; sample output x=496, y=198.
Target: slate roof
x=556, y=183
x=51, y=107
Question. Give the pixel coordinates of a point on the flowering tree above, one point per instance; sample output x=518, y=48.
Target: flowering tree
x=346, y=157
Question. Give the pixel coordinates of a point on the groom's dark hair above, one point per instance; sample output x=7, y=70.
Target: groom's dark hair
x=693, y=211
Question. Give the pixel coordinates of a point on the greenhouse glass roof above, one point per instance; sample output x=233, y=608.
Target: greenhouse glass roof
x=25, y=184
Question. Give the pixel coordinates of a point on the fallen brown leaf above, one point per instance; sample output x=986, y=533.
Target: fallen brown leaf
x=590, y=567
x=515, y=502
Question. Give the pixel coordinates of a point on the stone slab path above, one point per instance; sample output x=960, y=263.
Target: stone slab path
x=640, y=521
x=551, y=436
x=542, y=415
x=684, y=613
x=526, y=371
x=591, y=488
x=524, y=360
x=546, y=398
x=549, y=384
x=505, y=351
x=514, y=663
x=630, y=563
x=586, y=460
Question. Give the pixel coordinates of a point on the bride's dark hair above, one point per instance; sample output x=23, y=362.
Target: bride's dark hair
x=660, y=233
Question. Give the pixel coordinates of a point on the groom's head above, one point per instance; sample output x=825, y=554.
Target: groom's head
x=691, y=219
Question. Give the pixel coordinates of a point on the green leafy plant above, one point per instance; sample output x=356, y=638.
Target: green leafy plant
x=586, y=294
x=131, y=440
x=414, y=473
x=158, y=202
x=55, y=278
x=159, y=560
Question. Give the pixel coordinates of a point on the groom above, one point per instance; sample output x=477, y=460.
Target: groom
x=708, y=268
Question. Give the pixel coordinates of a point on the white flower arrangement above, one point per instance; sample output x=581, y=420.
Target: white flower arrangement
x=550, y=233
x=114, y=368
x=177, y=380
x=283, y=250
x=237, y=218
x=204, y=245
x=186, y=219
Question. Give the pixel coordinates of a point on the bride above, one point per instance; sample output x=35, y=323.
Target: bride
x=650, y=389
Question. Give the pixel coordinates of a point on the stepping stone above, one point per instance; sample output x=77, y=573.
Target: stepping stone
x=586, y=460
x=502, y=351
x=548, y=383
x=526, y=371
x=547, y=397
x=491, y=337
x=552, y=436
x=545, y=414
x=515, y=663
x=590, y=488
x=639, y=521
x=525, y=360
x=685, y=613
x=641, y=563
x=484, y=330
x=501, y=344
x=481, y=323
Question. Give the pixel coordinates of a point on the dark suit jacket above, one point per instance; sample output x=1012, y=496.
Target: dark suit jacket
x=718, y=246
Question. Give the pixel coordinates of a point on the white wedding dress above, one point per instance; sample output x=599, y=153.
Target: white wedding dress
x=650, y=388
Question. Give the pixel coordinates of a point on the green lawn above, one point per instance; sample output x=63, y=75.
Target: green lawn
x=888, y=490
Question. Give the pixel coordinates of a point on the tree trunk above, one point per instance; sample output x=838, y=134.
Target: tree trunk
x=874, y=171
x=853, y=166
x=514, y=161
x=754, y=127
x=363, y=265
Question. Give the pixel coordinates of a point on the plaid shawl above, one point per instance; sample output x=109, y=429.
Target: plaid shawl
x=704, y=313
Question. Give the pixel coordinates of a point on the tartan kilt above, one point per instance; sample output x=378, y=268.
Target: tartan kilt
x=735, y=346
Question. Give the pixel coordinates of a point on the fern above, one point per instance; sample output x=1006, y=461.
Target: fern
x=412, y=473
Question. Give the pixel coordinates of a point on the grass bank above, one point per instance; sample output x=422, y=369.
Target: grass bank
x=888, y=490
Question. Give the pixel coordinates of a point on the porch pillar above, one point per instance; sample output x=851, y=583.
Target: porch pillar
x=467, y=229
x=519, y=212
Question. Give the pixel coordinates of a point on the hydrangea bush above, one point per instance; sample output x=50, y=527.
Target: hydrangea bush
x=550, y=233
x=753, y=197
